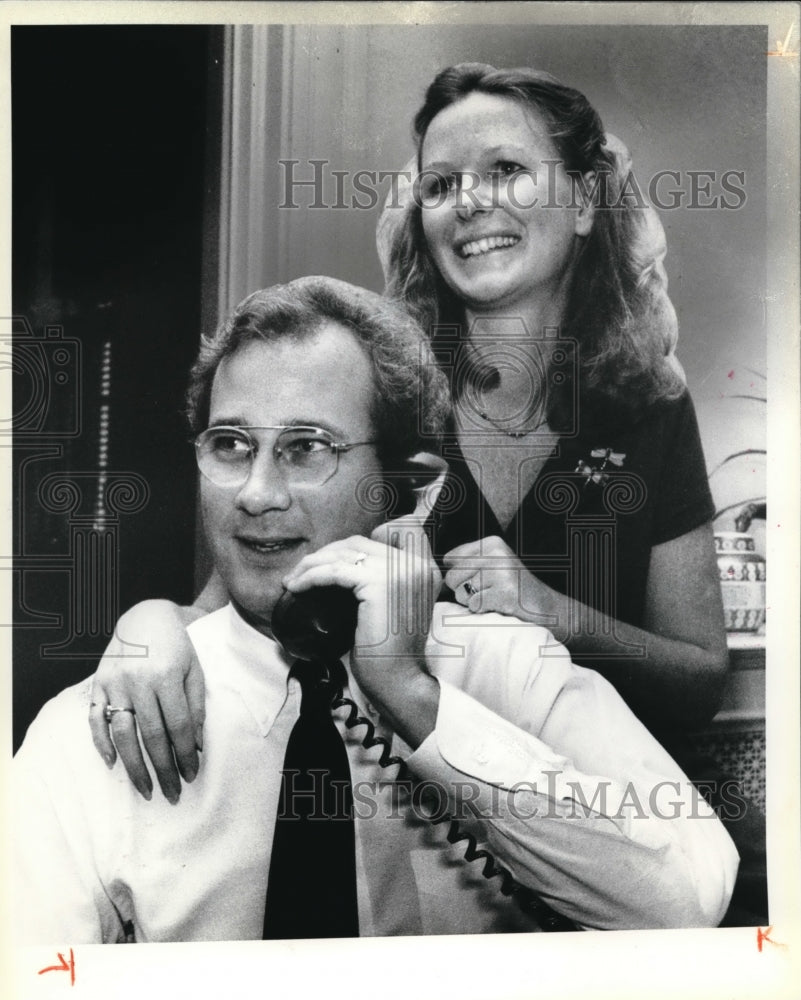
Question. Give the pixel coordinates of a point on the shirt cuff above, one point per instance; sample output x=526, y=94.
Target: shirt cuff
x=472, y=740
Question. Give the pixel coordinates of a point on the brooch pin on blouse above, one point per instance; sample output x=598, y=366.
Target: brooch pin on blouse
x=596, y=473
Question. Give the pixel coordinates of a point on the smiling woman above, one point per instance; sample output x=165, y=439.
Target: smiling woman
x=583, y=496
x=493, y=240
x=563, y=347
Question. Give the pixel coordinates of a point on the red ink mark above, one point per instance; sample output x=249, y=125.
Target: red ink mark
x=731, y=373
x=763, y=936
x=70, y=966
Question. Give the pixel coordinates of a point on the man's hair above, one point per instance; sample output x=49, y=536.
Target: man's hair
x=616, y=306
x=410, y=398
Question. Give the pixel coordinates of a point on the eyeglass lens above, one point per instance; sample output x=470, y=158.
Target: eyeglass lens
x=305, y=454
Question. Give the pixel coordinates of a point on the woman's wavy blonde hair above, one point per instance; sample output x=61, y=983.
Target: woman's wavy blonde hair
x=618, y=308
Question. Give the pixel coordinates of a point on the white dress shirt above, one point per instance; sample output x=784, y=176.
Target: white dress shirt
x=575, y=798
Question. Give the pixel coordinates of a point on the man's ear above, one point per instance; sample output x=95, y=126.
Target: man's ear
x=586, y=211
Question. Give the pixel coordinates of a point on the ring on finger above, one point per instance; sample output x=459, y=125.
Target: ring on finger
x=469, y=589
x=110, y=710
x=360, y=559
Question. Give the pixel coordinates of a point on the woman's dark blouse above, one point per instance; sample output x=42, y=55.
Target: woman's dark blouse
x=604, y=498
x=572, y=529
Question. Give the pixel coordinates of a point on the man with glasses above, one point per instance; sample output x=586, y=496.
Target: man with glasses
x=306, y=399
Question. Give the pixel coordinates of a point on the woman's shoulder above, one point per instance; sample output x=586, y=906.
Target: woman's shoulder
x=601, y=414
x=662, y=435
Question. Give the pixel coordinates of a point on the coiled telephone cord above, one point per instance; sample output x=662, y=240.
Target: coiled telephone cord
x=547, y=918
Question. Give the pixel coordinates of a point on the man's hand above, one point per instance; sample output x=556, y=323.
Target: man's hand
x=163, y=684
x=396, y=585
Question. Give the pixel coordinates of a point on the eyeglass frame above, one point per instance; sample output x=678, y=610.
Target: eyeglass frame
x=336, y=447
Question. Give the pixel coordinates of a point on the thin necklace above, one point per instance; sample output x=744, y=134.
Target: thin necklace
x=473, y=402
x=512, y=434
x=473, y=406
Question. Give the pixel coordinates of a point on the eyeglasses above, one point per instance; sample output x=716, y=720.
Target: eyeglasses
x=307, y=456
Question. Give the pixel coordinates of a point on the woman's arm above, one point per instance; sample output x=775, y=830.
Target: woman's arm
x=677, y=677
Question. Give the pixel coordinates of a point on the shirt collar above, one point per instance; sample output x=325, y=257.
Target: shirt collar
x=263, y=677
x=262, y=674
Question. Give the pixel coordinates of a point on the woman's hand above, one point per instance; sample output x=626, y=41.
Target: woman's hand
x=486, y=575
x=396, y=585
x=670, y=671
x=156, y=674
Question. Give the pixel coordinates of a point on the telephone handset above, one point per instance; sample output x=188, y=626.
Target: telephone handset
x=320, y=624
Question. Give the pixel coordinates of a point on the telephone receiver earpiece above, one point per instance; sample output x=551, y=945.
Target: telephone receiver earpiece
x=320, y=624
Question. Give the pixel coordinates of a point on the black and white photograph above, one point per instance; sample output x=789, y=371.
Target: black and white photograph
x=401, y=505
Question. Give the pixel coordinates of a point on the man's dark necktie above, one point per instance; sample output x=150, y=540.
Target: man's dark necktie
x=311, y=891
